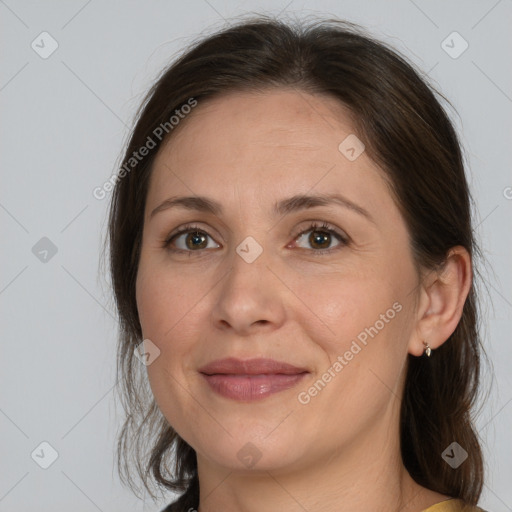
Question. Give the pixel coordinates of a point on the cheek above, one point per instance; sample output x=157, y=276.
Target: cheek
x=363, y=353
x=163, y=310
x=363, y=334
x=170, y=312
x=345, y=304
x=162, y=300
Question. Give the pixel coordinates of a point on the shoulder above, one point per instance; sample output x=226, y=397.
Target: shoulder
x=453, y=505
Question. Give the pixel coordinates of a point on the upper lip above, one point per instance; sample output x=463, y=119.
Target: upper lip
x=232, y=365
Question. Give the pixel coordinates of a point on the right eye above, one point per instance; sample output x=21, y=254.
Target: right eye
x=189, y=239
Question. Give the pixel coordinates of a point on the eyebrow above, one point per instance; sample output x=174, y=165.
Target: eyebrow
x=283, y=207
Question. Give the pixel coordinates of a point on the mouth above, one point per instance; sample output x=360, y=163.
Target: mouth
x=252, y=379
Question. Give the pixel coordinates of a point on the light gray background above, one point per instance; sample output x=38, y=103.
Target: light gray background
x=64, y=120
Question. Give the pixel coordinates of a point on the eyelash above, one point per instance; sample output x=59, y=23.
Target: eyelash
x=314, y=226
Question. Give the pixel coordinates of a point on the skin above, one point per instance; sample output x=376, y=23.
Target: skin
x=340, y=451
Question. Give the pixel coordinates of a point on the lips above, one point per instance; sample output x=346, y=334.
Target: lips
x=233, y=366
x=252, y=379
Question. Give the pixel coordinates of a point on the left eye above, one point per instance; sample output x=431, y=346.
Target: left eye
x=320, y=238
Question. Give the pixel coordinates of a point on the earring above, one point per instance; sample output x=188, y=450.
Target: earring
x=428, y=350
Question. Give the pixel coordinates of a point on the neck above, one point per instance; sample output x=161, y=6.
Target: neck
x=363, y=475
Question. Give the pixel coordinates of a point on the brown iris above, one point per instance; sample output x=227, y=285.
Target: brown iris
x=320, y=239
x=196, y=240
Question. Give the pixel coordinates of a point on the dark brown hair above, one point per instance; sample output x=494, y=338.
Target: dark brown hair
x=406, y=131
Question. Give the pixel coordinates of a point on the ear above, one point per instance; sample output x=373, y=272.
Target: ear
x=441, y=299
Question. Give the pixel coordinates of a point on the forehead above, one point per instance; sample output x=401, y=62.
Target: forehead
x=277, y=142
x=242, y=121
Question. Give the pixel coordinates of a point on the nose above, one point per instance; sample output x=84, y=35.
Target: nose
x=250, y=297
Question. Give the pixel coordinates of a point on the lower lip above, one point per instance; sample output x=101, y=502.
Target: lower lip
x=247, y=388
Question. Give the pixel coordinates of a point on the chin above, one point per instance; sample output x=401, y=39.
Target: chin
x=251, y=453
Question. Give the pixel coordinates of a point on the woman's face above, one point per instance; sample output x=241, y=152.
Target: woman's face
x=253, y=279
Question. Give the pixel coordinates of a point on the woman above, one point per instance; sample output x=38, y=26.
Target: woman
x=292, y=260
